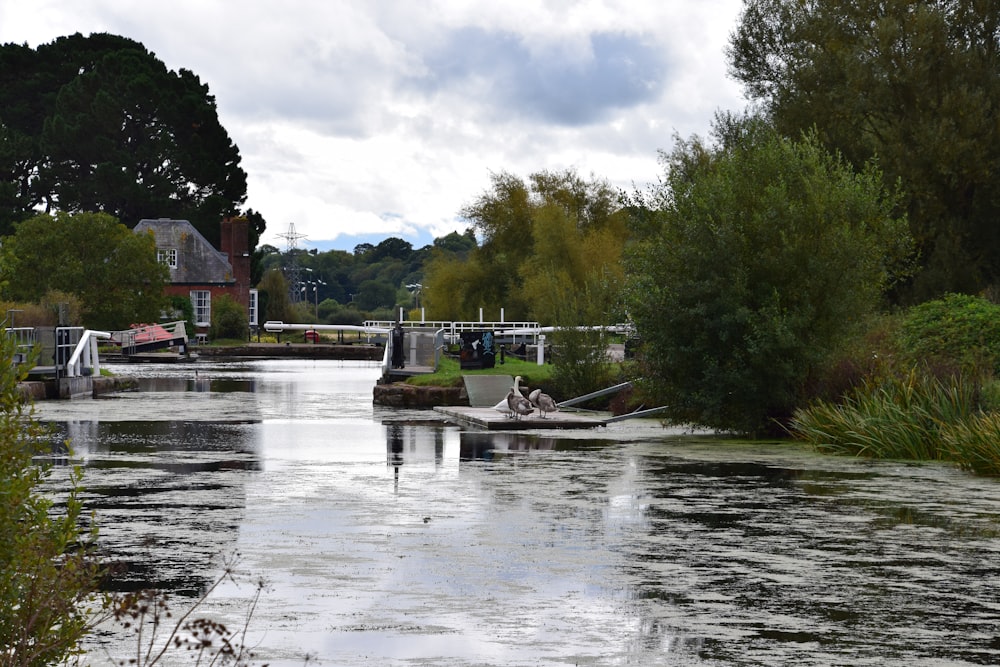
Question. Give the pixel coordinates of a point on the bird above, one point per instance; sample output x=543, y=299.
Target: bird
x=504, y=405
x=543, y=402
x=517, y=385
x=518, y=404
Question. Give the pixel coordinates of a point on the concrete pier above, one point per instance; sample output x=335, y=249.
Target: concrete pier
x=492, y=420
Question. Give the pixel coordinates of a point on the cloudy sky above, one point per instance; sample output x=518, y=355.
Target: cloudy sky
x=362, y=119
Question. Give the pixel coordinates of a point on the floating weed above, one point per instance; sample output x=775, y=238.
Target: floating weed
x=208, y=642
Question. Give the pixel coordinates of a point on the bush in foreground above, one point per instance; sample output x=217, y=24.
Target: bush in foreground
x=49, y=570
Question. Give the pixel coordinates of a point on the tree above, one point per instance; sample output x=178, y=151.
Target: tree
x=273, y=295
x=546, y=242
x=392, y=247
x=458, y=244
x=99, y=124
x=113, y=270
x=374, y=294
x=49, y=563
x=915, y=85
x=769, y=253
x=229, y=319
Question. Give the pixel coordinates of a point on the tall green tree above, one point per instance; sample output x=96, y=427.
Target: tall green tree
x=100, y=124
x=915, y=84
x=769, y=253
x=111, y=269
x=274, y=302
x=49, y=568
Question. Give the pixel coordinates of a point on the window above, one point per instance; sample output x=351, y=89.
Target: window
x=201, y=301
x=253, y=307
x=167, y=256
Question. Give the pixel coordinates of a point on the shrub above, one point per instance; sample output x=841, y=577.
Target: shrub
x=770, y=254
x=958, y=331
x=229, y=319
x=180, y=308
x=49, y=569
x=580, y=362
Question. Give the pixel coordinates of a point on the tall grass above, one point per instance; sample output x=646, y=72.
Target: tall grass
x=974, y=443
x=904, y=417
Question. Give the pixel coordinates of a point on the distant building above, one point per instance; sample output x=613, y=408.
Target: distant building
x=199, y=271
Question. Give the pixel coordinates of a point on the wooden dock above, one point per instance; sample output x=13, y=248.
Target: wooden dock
x=492, y=420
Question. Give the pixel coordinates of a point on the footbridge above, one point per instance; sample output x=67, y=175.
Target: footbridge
x=375, y=334
x=65, y=358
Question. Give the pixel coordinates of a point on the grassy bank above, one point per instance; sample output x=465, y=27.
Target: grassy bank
x=449, y=373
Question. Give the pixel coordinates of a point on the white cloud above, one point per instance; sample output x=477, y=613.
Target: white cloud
x=358, y=117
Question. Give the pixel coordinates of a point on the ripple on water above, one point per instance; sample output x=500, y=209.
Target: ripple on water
x=388, y=538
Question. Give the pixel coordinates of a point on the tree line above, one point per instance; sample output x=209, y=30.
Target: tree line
x=881, y=117
x=773, y=265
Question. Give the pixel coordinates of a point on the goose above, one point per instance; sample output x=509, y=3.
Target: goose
x=518, y=404
x=543, y=402
x=503, y=406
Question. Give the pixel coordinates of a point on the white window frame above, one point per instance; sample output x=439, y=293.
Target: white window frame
x=201, y=302
x=253, y=307
x=167, y=256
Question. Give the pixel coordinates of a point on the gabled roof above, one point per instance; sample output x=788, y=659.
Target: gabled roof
x=198, y=262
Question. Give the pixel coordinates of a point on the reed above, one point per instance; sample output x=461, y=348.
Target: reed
x=974, y=443
x=896, y=418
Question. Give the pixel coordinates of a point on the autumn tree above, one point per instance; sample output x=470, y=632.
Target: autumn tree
x=111, y=269
x=769, y=253
x=551, y=249
x=915, y=85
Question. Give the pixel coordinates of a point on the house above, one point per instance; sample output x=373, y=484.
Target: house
x=199, y=271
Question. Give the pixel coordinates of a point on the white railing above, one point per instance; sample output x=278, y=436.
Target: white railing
x=85, y=354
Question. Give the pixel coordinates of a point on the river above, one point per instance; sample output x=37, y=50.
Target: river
x=393, y=538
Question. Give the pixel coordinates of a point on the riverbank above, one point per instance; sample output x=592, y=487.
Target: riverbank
x=39, y=390
x=337, y=351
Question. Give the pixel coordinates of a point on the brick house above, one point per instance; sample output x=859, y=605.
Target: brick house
x=199, y=271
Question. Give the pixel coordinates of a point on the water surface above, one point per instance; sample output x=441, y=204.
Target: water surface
x=389, y=537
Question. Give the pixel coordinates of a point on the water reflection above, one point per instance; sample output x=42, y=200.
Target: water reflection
x=390, y=538
x=170, y=495
x=198, y=383
x=486, y=445
x=413, y=444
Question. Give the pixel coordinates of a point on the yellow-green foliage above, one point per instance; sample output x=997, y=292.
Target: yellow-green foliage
x=551, y=252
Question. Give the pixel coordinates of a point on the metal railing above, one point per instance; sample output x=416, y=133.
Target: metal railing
x=150, y=335
x=25, y=340
x=71, y=350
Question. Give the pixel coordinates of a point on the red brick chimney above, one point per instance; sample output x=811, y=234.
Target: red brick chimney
x=235, y=245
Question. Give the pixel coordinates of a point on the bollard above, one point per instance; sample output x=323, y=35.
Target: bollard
x=541, y=350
